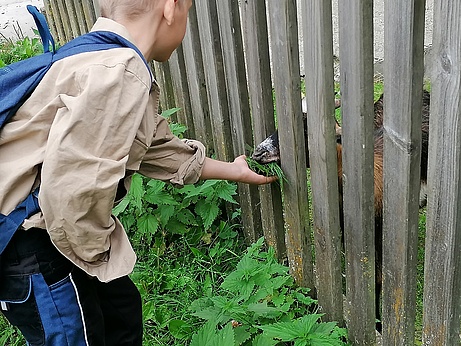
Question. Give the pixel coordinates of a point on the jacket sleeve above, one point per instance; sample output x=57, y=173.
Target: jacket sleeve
x=171, y=159
x=85, y=158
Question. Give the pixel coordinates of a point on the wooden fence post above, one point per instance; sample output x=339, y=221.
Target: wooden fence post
x=285, y=59
x=318, y=41
x=262, y=109
x=403, y=76
x=442, y=268
x=356, y=51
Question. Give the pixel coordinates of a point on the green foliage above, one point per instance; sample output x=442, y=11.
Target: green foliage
x=261, y=302
x=268, y=169
x=9, y=335
x=154, y=212
x=22, y=49
x=170, y=282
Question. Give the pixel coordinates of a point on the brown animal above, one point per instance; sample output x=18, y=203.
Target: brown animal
x=268, y=151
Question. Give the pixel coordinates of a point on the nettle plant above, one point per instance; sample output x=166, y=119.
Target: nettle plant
x=155, y=213
x=14, y=51
x=260, y=305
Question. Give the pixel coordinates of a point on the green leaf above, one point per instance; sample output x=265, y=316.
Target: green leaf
x=179, y=329
x=208, y=212
x=128, y=220
x=165, y=212
x=284, y=331
x=261, y=309
x=169, y=112
x=263, y=340
x=226, y=336
x=205, y=335
x=187, y=217
x=137, y=192
x=177, y=129
x=208, y=336
x=241, y=334
x=147, y=224
x=156, y=195
x=226, y=191
x=120, y=207
x=175, y=227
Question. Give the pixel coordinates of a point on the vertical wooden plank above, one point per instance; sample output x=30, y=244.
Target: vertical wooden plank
x=94, y=4
x=318, y=40
x=262, y=111
x=67, y=30
x=285, y=54
x=80, y=17
x=54, y=10
x=164, y=79
x=90, y=12
x=50, y=18
x=181, y=91
x=214, y=76
x=356, y=51
x=196, y=81
x=72, y=15
x=442, y=284
x=403, y=75
x=239, y=108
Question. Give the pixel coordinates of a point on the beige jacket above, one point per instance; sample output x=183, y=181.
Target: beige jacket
x=90, y=124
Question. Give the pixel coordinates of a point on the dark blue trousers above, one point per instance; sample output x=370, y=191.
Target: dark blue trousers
x=54, y=303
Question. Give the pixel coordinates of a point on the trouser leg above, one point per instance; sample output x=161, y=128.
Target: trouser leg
x=54, y=303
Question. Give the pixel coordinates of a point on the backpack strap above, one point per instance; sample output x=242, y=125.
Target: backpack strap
x=11, y=222
x=43, y=28
x=95, y=41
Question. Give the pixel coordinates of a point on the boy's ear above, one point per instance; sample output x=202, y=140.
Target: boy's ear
x=168, y=11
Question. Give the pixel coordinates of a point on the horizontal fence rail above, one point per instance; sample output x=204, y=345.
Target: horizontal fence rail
x=237, y=77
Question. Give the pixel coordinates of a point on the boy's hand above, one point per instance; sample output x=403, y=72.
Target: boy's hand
x=250, y=177
x=237, y=171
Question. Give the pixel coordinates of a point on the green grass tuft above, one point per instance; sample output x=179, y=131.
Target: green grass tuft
x=269, y=169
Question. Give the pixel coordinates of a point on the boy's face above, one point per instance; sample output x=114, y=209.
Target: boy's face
x=172, y=35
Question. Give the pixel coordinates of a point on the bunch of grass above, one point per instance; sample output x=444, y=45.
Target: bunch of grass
x=268, y=169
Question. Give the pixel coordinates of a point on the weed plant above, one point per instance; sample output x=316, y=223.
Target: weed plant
x=259, y=304
x=14, y=51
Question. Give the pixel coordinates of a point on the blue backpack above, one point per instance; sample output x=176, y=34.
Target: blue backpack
x=19, y=80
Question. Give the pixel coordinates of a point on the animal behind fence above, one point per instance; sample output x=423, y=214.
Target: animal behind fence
x=268, y=151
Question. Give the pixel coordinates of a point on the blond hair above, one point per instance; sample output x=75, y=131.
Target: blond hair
x=116, y=9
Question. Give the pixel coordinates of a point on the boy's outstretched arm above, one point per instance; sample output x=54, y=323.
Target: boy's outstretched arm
x=237, y=171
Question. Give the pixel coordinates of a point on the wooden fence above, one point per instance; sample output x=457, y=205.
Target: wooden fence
x=224, y=77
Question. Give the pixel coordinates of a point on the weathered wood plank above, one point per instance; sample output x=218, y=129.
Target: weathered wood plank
x=67, y=30
x=318, y=40
x=403, y=73
x=239, y=108
x=72, y=15
x=262, y=111
x=53, y=12
x=164, y=79
x=51, y=18
x=215, y=80
x=442, y=284
x=356, y=51
x=80, y=17
x=90, y=12
x=196, y=80
x=181, y=91
x=285, y=59
x=87, y=3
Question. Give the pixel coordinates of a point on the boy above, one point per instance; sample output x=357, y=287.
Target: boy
x=90, y=124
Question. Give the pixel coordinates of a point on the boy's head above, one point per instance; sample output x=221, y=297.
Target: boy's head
x=116, y=9
x=162, y=20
